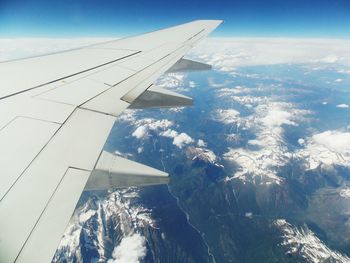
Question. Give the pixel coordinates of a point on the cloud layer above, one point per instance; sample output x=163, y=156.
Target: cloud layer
x=226, y=54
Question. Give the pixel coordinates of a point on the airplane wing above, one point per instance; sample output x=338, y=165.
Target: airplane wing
x=56, y=112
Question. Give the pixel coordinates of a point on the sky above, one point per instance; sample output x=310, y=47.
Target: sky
x=115, y=18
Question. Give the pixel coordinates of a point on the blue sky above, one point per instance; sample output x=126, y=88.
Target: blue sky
x=108, y=18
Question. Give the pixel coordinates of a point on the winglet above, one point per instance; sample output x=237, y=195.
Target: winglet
x=112, y=171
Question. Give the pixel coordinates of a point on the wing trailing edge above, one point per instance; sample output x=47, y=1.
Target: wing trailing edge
x=157, y=97
x=113, y=171
x=185, y=65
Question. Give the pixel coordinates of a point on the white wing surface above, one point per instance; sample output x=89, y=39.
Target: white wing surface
x=56, y=112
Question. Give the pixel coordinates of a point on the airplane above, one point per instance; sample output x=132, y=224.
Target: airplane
x=57, y=111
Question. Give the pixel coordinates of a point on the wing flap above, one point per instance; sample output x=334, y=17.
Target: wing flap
x=31, y=136
x=54, y=218
x=161, y=51
x=113, y=75
x=153, y=72
x=84, y=89
x=112, y=171
x=185, y=65
x=136, y=63
x=156, y=97
x=26, y=106
x=77, y=144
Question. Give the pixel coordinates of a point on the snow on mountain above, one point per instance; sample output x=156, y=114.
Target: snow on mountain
x=345, y=193
x=99, y=223
x=327, y=148
x=303, y=242
x=172, y=81
x=261, y=158
x=226, y=116
x=200, y=153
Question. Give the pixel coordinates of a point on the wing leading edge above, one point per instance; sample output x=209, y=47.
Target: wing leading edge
x=55, y=118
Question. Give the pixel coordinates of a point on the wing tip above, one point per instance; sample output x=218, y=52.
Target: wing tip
x=216, y=21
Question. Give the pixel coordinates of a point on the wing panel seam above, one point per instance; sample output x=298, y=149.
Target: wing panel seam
x=48, y=202
x=74, y=74
x=30, y=163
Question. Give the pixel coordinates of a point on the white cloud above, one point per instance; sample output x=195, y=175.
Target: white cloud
x=192, y=84
x=182, y=139
x=172, y=80
x=277, y=117
x=261, y=163
x=130, y=250
x=226, y=54
x=169, y=133
x=223, y=53
x=139, y=150
x=301, y=141
x=344, y=71
x=345, y=192
x=154, y=124
x=343, y=105
x=327, y=149
x=201, y=143
x=213, y=84
x=127, y=116
x=248, y=96
x=334, y=140
x=249, y=215
x=228, y=116
x=330, y=59
x=140, y=132
x=163, y=127
x=149, y=124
